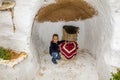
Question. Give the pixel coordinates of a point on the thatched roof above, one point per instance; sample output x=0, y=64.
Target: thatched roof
x=66, y=10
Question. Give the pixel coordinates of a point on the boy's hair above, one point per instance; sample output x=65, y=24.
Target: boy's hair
x=55, y=35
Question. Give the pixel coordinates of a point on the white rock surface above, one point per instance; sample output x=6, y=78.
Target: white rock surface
x=100, y=35
x=81, y=67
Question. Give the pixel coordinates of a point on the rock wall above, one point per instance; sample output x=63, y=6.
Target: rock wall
x=98, y=34
x=24, y=13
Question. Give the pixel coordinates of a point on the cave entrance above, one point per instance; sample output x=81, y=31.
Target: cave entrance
x=51, y=19
x=62, y=11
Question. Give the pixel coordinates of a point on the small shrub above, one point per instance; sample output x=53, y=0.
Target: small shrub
x=4, y=53
x=116, y=76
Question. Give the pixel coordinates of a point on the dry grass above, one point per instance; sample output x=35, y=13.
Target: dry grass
x=9, y=54
x=15, y=55
x=67, y=10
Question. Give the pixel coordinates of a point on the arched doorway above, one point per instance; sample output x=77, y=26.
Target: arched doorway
x=49, y=23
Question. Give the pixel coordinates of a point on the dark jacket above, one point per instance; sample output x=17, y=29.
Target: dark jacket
x=54, y=47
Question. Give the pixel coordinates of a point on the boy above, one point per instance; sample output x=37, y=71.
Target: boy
x=54, y=48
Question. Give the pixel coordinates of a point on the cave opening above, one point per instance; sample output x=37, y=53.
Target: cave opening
x=63, y=18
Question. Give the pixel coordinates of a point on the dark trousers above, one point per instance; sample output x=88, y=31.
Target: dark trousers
x=55, y=56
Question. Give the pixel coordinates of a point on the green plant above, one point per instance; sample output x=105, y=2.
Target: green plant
x=4, y=53
x=116, y=76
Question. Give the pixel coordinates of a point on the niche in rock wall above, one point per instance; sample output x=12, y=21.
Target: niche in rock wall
x=70, y=33
x=10, y=57
x=8, y=5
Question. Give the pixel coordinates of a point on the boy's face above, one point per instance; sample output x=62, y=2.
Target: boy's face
x=55, y=39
